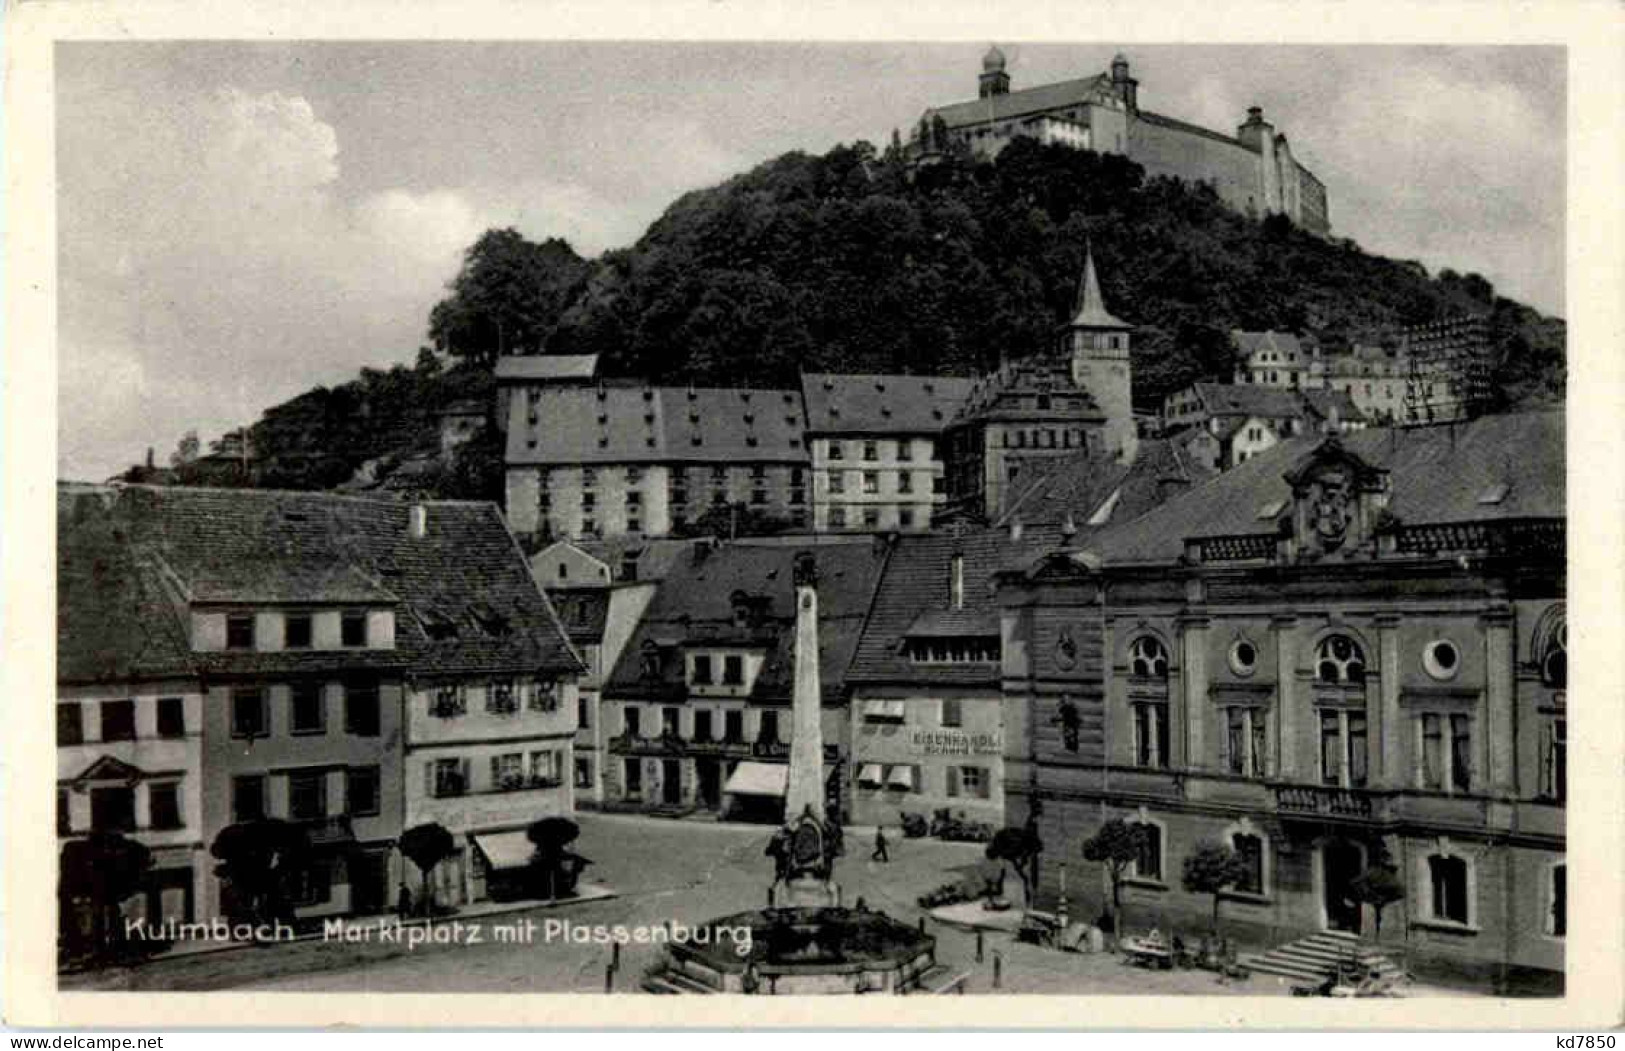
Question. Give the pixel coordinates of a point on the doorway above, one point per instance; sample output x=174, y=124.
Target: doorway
x=708, y=777
x=671, y=785
x=1341, y=862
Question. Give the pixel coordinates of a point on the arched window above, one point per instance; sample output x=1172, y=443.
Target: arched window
x=1249, y=848
x=1147, y=658
x=1554, y=658
x=1339, y=659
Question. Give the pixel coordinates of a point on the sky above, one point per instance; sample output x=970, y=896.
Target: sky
x=239, y=222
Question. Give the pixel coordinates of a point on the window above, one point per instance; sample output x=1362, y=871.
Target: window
x=583, y=712
x=589, y=477
x=64, y=812
x=1557, y=920
x=669, y=720
x=296, y=632
x=1554, y=659
x=1448, y=878
x=1447, y=752
x=633, y=718
x=1440, y=660
x=353, y=627
x=702, y=725
x=313, y=885
x=508, y=771
x=1148, y=659
x=239, y=631
x=118, y=720
x=306, y=714
x=448, y=702
x=1151, y=734
x=1555, y=760
x=1243, y=658
x=968, y=781
x=953, y=714
x=501, y=698
x=248, y=798
x=164, y=805
x=908, y=518
x=837, y=483
x=1342, y=748
x=905, y=450
x=733, y=670
x=702, y=670
x=545, y=769
x=307, y=795
x=871, y=482
x=836, y=451
x=112, y=809
x=543, y=695
x=871, y=450
x=589, y=502
x=583, y=771
x=1250, y=853
x=769, y=730
x=448, y=777
x=871, y=518
x=248, y=713
x=1245, y=741
x=1339, y=659
x=837, y=518
x=361, y=707
x=905, y=482
x=361, y=791
x=70, y=725
x=1148, y=863
x=171, y=717
x=634, y=777
x=733, y=726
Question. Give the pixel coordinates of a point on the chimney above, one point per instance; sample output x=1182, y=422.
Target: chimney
x=956, y=581
x=149, y=457
x=1069, y=528
x=1015, y=529
x=418, y=521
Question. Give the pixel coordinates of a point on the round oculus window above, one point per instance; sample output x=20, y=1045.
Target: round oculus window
x=1441, y=659
x=1243, y=657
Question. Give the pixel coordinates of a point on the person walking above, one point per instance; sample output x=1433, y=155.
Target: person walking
x=880, y=853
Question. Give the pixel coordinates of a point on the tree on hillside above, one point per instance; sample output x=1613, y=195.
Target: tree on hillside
x=1116, y=846
x=508, y=297
x=426, y=846
x=1212, y=868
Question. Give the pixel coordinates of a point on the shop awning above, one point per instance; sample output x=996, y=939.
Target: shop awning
x=871, y=774
x=900, y=777
x=758, y=779
x=505, y=850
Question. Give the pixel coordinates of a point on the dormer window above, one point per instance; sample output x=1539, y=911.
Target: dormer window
x=491, y=622
x=436, y=624
x=296, y=633
x=239, y=631
x=353, y=628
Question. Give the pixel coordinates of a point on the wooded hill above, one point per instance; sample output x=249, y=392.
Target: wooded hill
x=857, y=262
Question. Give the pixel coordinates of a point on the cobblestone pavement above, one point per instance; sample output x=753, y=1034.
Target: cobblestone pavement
x=663, y=870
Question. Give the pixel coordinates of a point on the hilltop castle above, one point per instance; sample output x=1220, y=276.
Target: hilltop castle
x=1253, y=171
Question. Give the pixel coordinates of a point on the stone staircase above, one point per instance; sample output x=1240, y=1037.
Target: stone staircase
x=1317, y=957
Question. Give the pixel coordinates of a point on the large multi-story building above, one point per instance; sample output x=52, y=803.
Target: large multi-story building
x=697, y=710
x=1253, y=170
x=873, y=440
x=1344, y=653
x=339, y=646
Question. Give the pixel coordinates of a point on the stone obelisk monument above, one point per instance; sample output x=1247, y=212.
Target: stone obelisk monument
x=805, y=792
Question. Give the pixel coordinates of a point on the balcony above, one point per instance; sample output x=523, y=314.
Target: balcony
x=1330, y=803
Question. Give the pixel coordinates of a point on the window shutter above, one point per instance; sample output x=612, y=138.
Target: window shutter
x=496, y=771
x=953, y=780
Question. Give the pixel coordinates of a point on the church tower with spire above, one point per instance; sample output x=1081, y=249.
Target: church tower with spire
x=1098, y=345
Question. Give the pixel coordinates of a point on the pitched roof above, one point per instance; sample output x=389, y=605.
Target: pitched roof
x=655, y=555
x=1323, y=401
x=1021, y=103
x=1081, y=486
x=881, y=404
x=466, y=575
x=1250, y=343
x=694, y=605
x=544, y=368
x=1091, y=309
x=1436, y=475
x=1004, y=392
x=616, y=424
x=1246, y=399
x=914, y=596
x=113, y=621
